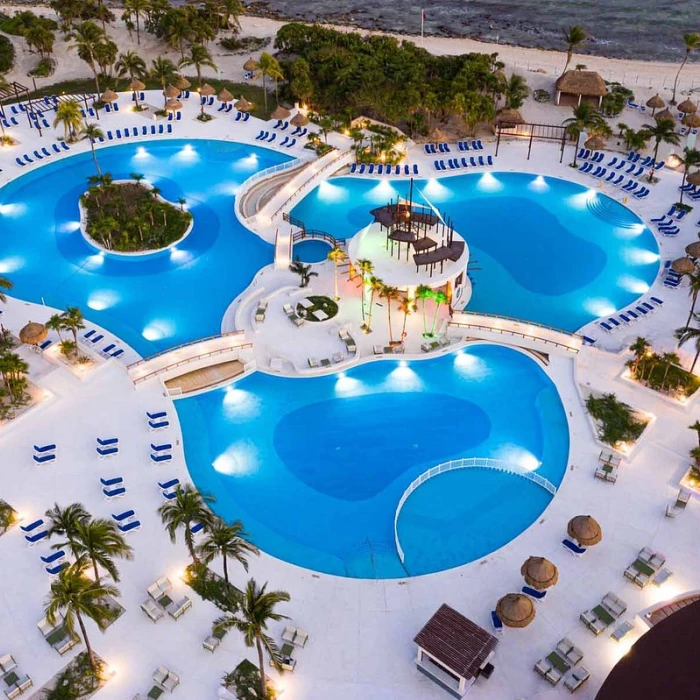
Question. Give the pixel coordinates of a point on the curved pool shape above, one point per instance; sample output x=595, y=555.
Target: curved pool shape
x=311, y=250
x=315, y=467
x=151, y=302
x=541, y=249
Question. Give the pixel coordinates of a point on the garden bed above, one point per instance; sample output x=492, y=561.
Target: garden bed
x=617, y=424
x=319, y=303
x=212, y=587
x=76, y=681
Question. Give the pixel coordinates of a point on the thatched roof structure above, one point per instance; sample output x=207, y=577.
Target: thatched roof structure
x=299, y=119
x=539, y=572
x=665, y=114
x=582, y=82
x=225, y=96
x=693, y=249
x=250, y=64
x=509, y=116
x=683, y=266
x=516, y=610
x=173, y=105
x=280, y=113
x=692, y=120
x=595, y=143
x=585, y=530
x=136, y=84
x=694, y=178
x=243, y=105
x=687, y=107
x=181, y=82
x=207, y=90
x=109, y=96
x=656, y=102
x=171, y=91
x=33, y=333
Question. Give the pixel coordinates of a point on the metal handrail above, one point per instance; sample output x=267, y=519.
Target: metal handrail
x=520, y=320
x=320, y=235
x=469, y=462
x=248, y=183
x=507, y=331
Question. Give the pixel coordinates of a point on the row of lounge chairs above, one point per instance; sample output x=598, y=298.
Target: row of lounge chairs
x=26, y=159
x=631, y=315
x=225, y=107
x=174, y=116
x=631, y=186
x=57, y=635
x=134, y=132
x=161, y=453
x=242, y=117
x=436, y=344
x=94, y=337
x=632, y=170
x=126, y=521
x=160, y=601
x=111, y=107
x=292, y=638
x=666, y=225
x=335, y=359
x=560, y=662
x=646, y=568
x=107, y=447
x=372, y=169
x=672, y=279
x=35, y=531
x=388, y=349
x=348, y=341
x=442, y=147
x=292, y=315
x=44, y=454
x=283, y=125
x=14, y=680
x=458, y=164
x=476, y=145
x=434, y=148
x=692, y=191
x=599, y=618
x=633, y=160
x=267, y=136
x=9, y=123
x=157, y=420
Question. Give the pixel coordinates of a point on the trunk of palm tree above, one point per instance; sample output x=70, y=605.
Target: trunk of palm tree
x=424, y=327
x=94, y=570
x=91, y=654
x=437, y=309
x=225, y=568
x=261, y=662
x=403, y=328
x=190, y=544
x=369, y=313
x=695, y=359
x=678, y=75
x=388, y=309
x=264, y=90
x=335, y=278
x=569, y=54
x=74, y=330
x=94, y=157
x=578, y=136
x=692, y=308
x=138, y=29
x=663, y=381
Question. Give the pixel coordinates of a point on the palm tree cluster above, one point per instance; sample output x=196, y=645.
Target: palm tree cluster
x=13, y=369
x=586, y=118
x=71, y=320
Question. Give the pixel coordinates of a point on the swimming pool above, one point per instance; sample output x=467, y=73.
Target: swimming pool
x=315, y=467
x=541, y=248
x=151, y=302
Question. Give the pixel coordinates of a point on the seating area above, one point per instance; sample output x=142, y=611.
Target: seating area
x=372, y=169
x=129, y=133
x=14, y=680
x=212, y=642
x=631, y=315
x=348, y=341
x=44, y=454
x=159, y=600
x=57, y=635
x=679, y=505
x=560, y=662
x=436, y=344
x=643, y=569
x=292, y=315
x=57, y=148
x=388, y=349
x=599, y=618
x=126, y=521
x=608, y=466
x=165, y=681
x=459, y=163
x=110, y=350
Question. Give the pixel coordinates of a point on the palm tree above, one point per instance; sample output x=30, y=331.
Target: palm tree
x=93, y=132
x=5, y=284
x=390, y=294
x=693, y=291
x=406, y=306
x=374, y=284
x=256, y=610
x=68, y=114
x=98, y=541
x=187, y=507
x=86, y=36
x=440, y=298
x=131, y=64
x=366, y=267
x=585, y=118
x=337, y=255
x=231, y=9
x=177, y=29
x=423, y=292
x=73, y=321
x=304, y=272
x=75, y=596
x=515, y=91
x=683, y=335
x=55, y=323
x=692, y=42
x=136, y=8
x=696, y=427
x=669, y=359
x=664, y=131
x=691, y=157
x=199, y=57
x=267, y=67
x=639, y=348
x=227, y=541
x=65, y=521
x=164, y=71
x=575, y=36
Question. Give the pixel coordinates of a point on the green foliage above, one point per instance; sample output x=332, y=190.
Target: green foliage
x=541, y=96
x=320, y=303
x=76, y=681
x=211, y=587
x=612, y=104
x=245, y=44
x=129, y=217
x=245, y=680
x=44, y=68
x=7, y=516
x=7, y=54
x=664, y=374
x=21, y=22
x=617, y=419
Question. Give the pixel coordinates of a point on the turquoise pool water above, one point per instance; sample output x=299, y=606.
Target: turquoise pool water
x=542, y=249
x=152, y=302
x=315, y=467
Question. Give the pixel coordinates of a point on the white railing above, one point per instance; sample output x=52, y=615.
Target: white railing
x=466, y=463
x=247, y=184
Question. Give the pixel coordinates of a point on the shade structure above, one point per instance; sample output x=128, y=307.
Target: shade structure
x=136, y=84
x=516, y=610
x=207, y=90
x=683, y=266
x=280, y=113
x=243, y=105
x=694, y=178
x=665, y=114
x=250, y=64
x=585, y=530
x=33, y=333
x=437, y=135
x=173, y=105
x=656, y=102
x=692, y=120
x=693, y=249
x=509, y=116
x=687, y=107
x=595, y=143
x=299, y=119
x=225, y=96
x=109, y=96
x=539, y=573
x=171, y=91
x=181, y=83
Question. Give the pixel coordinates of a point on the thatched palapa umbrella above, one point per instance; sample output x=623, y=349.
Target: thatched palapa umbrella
x=109, y=96
x=173, y=105
x=171, y=91
x=694, y=178
x=687, y=107
x=299, y=119
x=595, y=142
x=135, y=86
x=280, y=113
x=585, y=530
x=250, y=64
x=691, y=120
x=181, y=83
x=515, y=610
x=510, y=117
x=655, y=103
x=436, y=135
x=225, y=96
x=205, y=91
x=693, y=249
x=683, y=266
x=33, y=333
x=539, y=573
x=243, y=105
x=665, y=114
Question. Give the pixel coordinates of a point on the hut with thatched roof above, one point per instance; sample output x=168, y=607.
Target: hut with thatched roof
x=173, y=105
x=206, y=90
x=655, y=102
x=299, y=119
x=225, y=96
x=181, y=82
x=577, y=86
x=683, y=266
x=454, y=651
x=109, y=96
x=280, y=113
x=692, y=120
x=171, y=91
x=508, y=118
x=595, y=143
x=136, y=84
x=585, y=530
x=250, y=65
x=665, y=114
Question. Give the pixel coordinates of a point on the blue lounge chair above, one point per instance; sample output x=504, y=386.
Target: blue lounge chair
x=657, y=301
x=45, y=344
x=641, y=310
x=158, y=457
x=118, y=133
x=161, y=130
x=472, y=162
x=45, y=448
x=415, y=169
x=89, y=334
x=117, y=353
x=533, y=593
x=106, y=451
x=121, y=517
x=681, y=214
x=133, y=525
x=380, y=169
x=153, y=129
x=33, y=539
x=489, y=160
x=127, y=133
x=158, y=425
x=197, y=527
x=625, y=319
x=156, y=414
x=38, y=155
x=44, y=459
x=45, y=151
x=53, y=557
x=588, y=341
x=646, y=305
x=107, y=441
x=482, y=161
x=362, y=169
x=658, y=219
x=613, y=322
x=96, y=339
x=56, y=570
x=109, y=136
x=370, y=169
x=178, y=117
x=32, y=526
x=55, y=148
x=611, y=176
x=291, y=143
x=272, y=138
x=19, y=162
x=169, y=495
x=115, y=107
x=619, y=180
x=286, y=140
x=496, y=621
x=113, y=481
x=109, y=347
x=161, y=447
x=573, y=547
x=114, y=493
x=27, y=159
x=606, y=327
x=164, y=485
x=465, y=162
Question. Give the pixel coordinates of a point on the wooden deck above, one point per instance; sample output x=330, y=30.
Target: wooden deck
x=205, y=377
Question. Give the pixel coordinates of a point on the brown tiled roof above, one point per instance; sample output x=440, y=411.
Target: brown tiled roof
x=581, y=82
x=456, y=641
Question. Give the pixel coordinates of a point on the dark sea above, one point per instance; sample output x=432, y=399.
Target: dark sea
x=642, y=29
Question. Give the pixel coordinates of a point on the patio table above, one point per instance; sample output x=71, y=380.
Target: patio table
x=603, y=615
x=643, y=568
x=11, y=678
x=155, y=692
x=558, y=663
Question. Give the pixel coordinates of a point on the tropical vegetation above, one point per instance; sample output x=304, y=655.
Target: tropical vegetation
x=691, y=42
x=182, y=512
x=245, y=680
x=617, y=422
x=13, y=372
x=660, y=371
x=574, y=37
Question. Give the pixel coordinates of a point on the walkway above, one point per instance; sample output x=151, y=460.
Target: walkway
x=204, y=378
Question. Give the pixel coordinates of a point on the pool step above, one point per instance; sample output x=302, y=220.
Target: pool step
x=612, y=212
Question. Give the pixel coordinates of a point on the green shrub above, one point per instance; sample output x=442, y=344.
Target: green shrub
x=7, y=516
x=617, y=419
x=44, y=68
x=245, y=680
x=76, y=681
x=245, y=44
x=212, y=587
x=22, y=21
x=7, y=54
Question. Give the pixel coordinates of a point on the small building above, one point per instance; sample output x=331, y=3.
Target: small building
x=576, y=86
x=453, y=651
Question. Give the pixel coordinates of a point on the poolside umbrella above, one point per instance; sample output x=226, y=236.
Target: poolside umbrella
x=243, y=105
x=694, y=178
x=181, y=83
x=280, y=113
x=585, y=530
x=655, y=103
x=665, y=114
x=250, y=64
x=109, y=96
x=225, y=96
x=33, y=333
x=436, y=135
x=207, y=90
x=136, y=84
x=692, y=120
x=595, y=143
x=515, y=610
x=539, y=573
x=693, y=249
x=299, y=119
x=173, y=105
x=171, y=91
x=687, y=107
x=683, y=266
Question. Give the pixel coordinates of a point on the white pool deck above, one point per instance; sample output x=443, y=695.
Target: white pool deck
x=361, y=631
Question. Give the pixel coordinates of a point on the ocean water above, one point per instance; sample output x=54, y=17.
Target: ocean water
x=645, y=29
